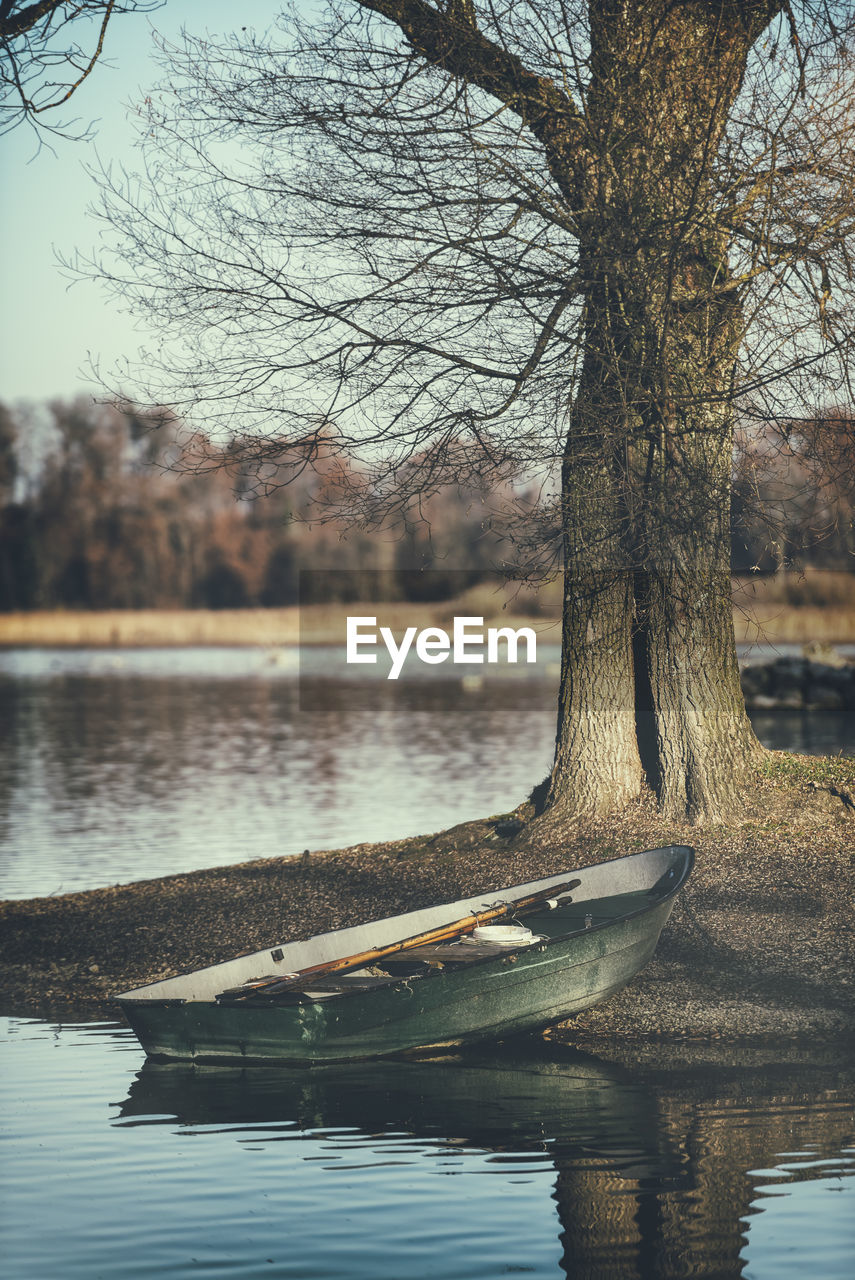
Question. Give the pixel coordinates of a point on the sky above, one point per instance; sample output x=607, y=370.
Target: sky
x=49, y=329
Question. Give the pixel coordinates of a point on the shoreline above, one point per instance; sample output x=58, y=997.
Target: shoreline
x=760, y=947
x=760, y=622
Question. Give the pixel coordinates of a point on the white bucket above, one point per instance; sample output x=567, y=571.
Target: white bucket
x=506, y=935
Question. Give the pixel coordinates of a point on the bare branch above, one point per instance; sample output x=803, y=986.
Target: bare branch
x=50, y=39
x=451, y=41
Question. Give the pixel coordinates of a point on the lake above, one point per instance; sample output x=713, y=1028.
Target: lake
x=119, y=766
x=537, y=1161
x=530, y=1159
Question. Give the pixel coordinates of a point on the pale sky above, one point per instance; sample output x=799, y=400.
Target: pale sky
x=47, y=329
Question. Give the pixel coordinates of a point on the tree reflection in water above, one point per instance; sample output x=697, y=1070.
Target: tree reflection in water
x=657, y=1163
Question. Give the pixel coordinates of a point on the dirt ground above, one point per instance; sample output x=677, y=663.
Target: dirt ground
x=760, y=946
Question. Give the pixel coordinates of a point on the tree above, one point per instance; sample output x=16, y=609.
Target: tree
x=471, y=241
x=44, y=39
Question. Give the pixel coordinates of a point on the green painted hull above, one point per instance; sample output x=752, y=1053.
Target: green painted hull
x=569, y=970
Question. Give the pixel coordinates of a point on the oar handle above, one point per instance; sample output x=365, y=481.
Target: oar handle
x=540, y=899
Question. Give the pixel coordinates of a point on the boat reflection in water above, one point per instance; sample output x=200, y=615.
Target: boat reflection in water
x=658, y=1166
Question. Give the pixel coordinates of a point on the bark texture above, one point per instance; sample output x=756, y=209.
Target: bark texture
x=650, y=677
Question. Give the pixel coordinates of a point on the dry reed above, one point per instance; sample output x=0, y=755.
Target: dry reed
x=779, y=610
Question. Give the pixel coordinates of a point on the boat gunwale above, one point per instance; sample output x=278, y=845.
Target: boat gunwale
x=540, y=945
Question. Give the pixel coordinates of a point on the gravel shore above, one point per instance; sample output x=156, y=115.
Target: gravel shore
x=760, y=946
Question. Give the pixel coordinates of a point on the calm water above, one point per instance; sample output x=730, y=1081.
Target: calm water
x=531, y=1160
x=120, y=767
x=538, y=1161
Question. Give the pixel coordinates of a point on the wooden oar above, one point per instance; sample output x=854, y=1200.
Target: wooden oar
x=275, y=986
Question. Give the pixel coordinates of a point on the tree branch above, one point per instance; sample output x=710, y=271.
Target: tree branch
x=452, y=42
x=51, y=38
x=16, y=23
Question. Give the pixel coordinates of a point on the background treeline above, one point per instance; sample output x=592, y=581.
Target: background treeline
x=95, y=515
x=793, y=501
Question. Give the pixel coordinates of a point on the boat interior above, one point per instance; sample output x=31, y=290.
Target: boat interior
x=548, y=923
x=339, y=963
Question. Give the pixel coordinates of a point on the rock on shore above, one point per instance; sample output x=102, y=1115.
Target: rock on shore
x=824, y=682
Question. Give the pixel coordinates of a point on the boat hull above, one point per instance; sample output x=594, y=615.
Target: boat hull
x=507, y=996
x=523, y=991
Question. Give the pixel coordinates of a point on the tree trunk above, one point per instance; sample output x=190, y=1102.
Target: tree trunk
x=597, y=764
x=694, y=737
x=650, y=683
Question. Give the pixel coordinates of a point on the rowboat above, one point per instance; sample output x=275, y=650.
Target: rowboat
x=427, y=980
